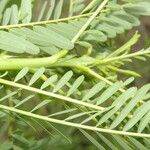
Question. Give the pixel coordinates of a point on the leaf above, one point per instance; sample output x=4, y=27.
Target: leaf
x=137, y=115
x=79, y=115
x=50, y=11
x=24, y=101
x=61, y=27
x=34, y=37
x=49, y=81
x=129, y=80
x=55, y=38
x=26, y=10
x=90, y=138
x=21, y=74
x=124, y=23
x=8, y=96
x=58, y=9
x=65, y=78
x=109, y=92
x=130, y=18
x=144, y=122
x=50, y=50
x=63, y=112
x=43, y=103
x=107, y=141
x=94, y=35
x=125, y=111
x=75, y=85
x=14, y=15
x=141, y=8
x=43, y=9
x=122, y=142
x=13, y=43
x=108, y=31
x=137, y=144
x=37, y=75
x=117, y=104
x=59, y=132
x=6, y=16
x=94, y=90
x=3, y=4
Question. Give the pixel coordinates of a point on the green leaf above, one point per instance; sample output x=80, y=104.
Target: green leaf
x=75, y=85
x=94, y=90
x=8, y=96
x=14, y=15
x=24, y=101
x=137, y=115
x=37, y=75
x=125, y=111
x=63, y=112
x=49, y=81
x=21, y=74
x=90, y=138
x=26, y=10
x=129, y=80
x=43, y=9
x=122, y=142
x=13, y=43
x=107, y=141
x=58, y=9
x=43, y=103
x=137, y=144
x=109, y=92
x=65, y=78
x=50, y=11
x=108, y=31
x=94, y=35
x=144, y=122
x=79, y=115
x=141, y=8
x=55, y=38
x=117, y=104
x=6, y=16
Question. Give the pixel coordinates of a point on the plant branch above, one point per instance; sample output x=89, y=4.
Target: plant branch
x=122, y=57
x=19, y=63
x=60, y=97
x=76, y=125
x=44, y=22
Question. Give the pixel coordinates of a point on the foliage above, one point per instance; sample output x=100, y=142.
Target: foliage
x=59, y=73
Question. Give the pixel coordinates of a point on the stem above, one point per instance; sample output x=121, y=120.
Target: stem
x=76, y=125
x=19, y=63
x=89, y=21
x=94, y=74
x=108, y=60
x=60, y=97
x=44, y=22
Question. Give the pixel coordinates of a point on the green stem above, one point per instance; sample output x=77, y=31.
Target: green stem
x=108, y=60
x=60, y=97
x=44, y=22
x=96, y=75
x=19, y=63
x=70, y=124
